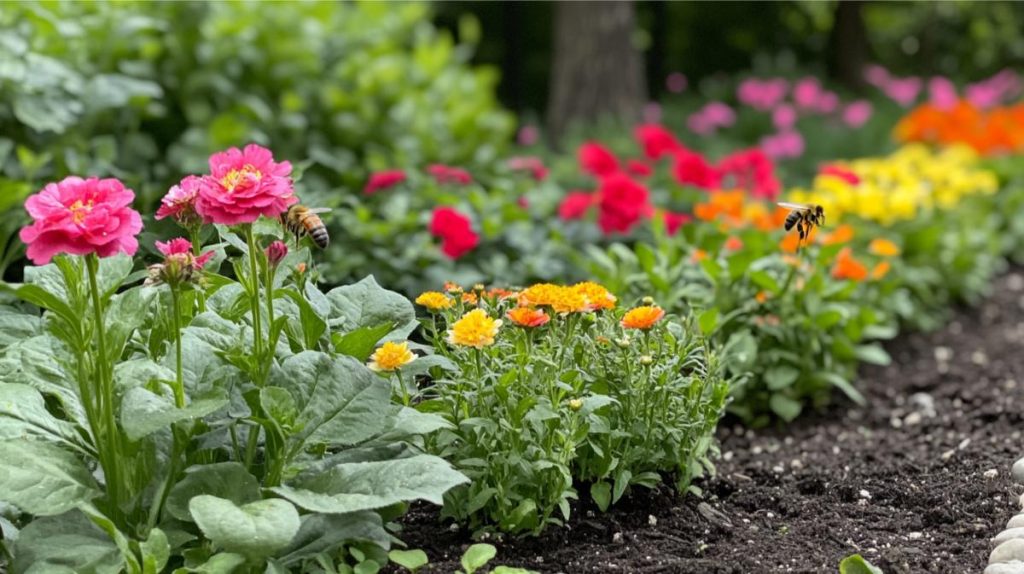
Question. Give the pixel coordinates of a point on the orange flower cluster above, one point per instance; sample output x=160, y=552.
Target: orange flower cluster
x=733, y=211
x=848, y=267
x=994, y=131
x=579, y=298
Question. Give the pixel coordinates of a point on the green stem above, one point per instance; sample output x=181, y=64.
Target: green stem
x=254, y=302
x=270, y=298
x=179, y=381
x=197, y=247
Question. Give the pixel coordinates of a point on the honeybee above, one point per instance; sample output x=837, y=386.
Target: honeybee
x=804, y=216
x=302, y=220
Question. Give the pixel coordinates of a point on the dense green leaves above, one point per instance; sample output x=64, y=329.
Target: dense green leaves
x=227, y=480
x=23, y=414
x=66, y=544
x=143, y=412
x=42, y=478
x=256, y=530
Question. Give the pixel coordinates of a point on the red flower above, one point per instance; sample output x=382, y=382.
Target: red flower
x=638, y=168
x=576, y=204
x=81, y=216
x=383, y=180
x=691, y=168
x=243, y=185
x=752, y=171
x=657, y=141
x=841, y=172
x=673, y=221
x=622, y=202
x=447, y=174
x=455, y=230
x=597, y=160
x=531, y=164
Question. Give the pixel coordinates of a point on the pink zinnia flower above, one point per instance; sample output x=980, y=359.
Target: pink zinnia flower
x=983, y=95
x=243, y=185
x=942, y=93
x=455, y=230
x=638, y=168
x=719, y=114
x=181, y=249
x=760, y=94
x=692, y=168
x=675, y=82
x=827, y=103
x=180, y=263
x=180, y=200
x=621, y=202
x=447, y=174
x=877, y=76
x=276, y=252
x=673, y=221
x=784, y=117
x=857, y=113
x=530, y=164
x=806, y=93
x=903, y=91
x=656, y=140
x=597, y=160
x=383, y=180
x=786, y=144
x=576, y=204
x=81, y=216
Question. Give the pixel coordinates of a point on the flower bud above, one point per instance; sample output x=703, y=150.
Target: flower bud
x=301, y=268
x=575, y=404
x=479, y=287
x=623, y=342
x=648, y=300
x=276, y=252
x=646, y=360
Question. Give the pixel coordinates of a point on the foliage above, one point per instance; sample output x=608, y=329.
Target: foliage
x=856, y=564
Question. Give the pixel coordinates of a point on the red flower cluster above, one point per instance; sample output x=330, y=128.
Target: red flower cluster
x=455, y=230
x=657, y=141
x=691, y=168
x=752, y=171
x=597, y=160
x=383, y=180
x=448, y=174
x=533, y=165
x=621, y=202
x=576, y=204
x=841, y=172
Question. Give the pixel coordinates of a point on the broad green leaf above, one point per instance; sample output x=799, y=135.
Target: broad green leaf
x=143, y=412
x=360, y=343
x=227, y=480
x=781, y=377
x=31, y=362
x=351, y=487
x=17, y=326
x=708, y=320
x=409, y=559
x=156, y=550
x=601, y=492
x=856, y=564
x=279, y=405
x=873, y=353
x=848, y=389
x=324, y=532
x=66, y=543
x=765, y=281
x=511, y=570
x=365, y=304
x=23, y=414
x=257, y=530
x=42, y=478
x=127, y=312
x=221, y=563
x=477, y=556
x=787, y=408
x=140, y=372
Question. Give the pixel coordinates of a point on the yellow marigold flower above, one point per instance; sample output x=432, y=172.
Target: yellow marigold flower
x=475, y=329
x=538, y=295
x=567, y=300
x=880, y=270
x=642, y=317
x=434, y=301
x=528, y=317
x=883, y=248
x=391, y=356
x=596, y=295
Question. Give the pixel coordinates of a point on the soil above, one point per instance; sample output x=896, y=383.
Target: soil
x=906, y=482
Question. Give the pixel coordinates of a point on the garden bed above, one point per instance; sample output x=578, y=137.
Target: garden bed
x=904, y=482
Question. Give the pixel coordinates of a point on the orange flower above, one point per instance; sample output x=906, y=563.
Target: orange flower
x=880, y=270
x=596, y=295
x=642, y=317
x=470, y=298
x=733, y=243
x=761, y=297
x=453, y=288
x=538, y=295
x=434, y=301
x=560, y=299
x=883, y=248
x=841, y=234
x=568, y=300
x=698, y=255
x=527, y=317
x=721, y=203
x=846, y=267
x=497, y=294
x=997, y=130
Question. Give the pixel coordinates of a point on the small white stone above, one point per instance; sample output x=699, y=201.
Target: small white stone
x=943, y=354
x=1018, y=471
x=914, y=535
x=1016, y=521
x=912, y=419
x=617, y=538
x=991, y=473
x=963, y=444
x=979, y=358
x=778, y=469
x=1014, y=567
x=1008, y=534
x=948, y=454
x=796, y=464
x=652, y=520
x=1008, y=551
x=864, y=494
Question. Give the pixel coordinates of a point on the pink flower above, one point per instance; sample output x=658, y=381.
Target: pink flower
x=676, y=82
x=877, y=76
x=528, y=135
x=751, y=170
x=81, y=216
x=656, y=140
x=180, y=263
x=806, y=93
x=181, y=248
x=576, y=204
x=712, y=116
x=597, y=160
x=180, y=200
x=621, y=203
x=760, y=94
x=243, y=185
x=857, y=113
x=784, y=117
x=652, y=112
x=447, y=174
x=827, y=102
x=786, y=144
x=455, y=230
x=699, y=124
x=383, y=180
x=903, y=91
x=276, y=252
x=983, y=95
x=942, y=93
x=530, y=164
x=692, y=168
x=673, y=221
x=638, y=168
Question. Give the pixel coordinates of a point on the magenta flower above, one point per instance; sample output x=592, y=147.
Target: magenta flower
x=383, y=180
x=828, y=102
x=983, y=95
x=180, y=200
x=784, y=117
x=806, y=93
x=528, y=135
x=752, y=170
x=81, y=216
x=576, y=204
x=276, y=252
x=533, y=165
x=903, y=91
x=181, y=248
x=455, y=230
x=243, y=185
x=656, y=140
x=676, y=82
x=639, y=168
x=180, y=264
x=857, y=113
x=673, y=221
x=786, y=144
x=691, y=168
x=719, y=114
x=877, y=76
x=762, y=95
x=447, y=174
x=597, y=160
x=942, y=93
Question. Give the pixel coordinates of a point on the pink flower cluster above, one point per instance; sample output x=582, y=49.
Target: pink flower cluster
x=710, y=118
x=988, y=93
x=762, y=94
x=903, y=91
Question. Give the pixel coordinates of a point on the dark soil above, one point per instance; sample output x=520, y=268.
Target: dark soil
x=902, y=484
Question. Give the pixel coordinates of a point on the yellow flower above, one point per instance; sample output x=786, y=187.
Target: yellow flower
x=642, y=317
x=883, y=247
x=434, y=300
x=538, y=295
x=596, y=295
x=391, y=356
x=561, y=299
x=475, y=329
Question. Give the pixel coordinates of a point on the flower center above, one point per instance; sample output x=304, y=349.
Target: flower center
x=80, y=210
x=237, y=177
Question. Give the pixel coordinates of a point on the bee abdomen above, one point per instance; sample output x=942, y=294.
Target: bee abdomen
x=791, y=219
x=320, y=237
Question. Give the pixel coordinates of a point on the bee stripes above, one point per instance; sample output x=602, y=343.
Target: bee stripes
x=304, y=221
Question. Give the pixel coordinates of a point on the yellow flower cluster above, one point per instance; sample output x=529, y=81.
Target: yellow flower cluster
x=899, y=186
x=581, y=297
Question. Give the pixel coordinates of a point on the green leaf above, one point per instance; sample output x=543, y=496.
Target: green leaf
x=708, y=320
x=842, y=384
x=256, y=530
x=68, y=543
x=156, y=550
x=781, y=377
x=765, y=281
x=222, y=563
x=126, y=313
x=279, y=405
x=17, y=326
x=601, y=492
x=411, y=560
x=856, y=564
x=321, y=533
x=787, y=408
x=510, y=570
x=23, y=413
x=365, y=304
x=477, y=556
x=873, y=353
x=43, y=479
x=351, y=487
x=228, y=480
x=143, y=412
x=360, y=343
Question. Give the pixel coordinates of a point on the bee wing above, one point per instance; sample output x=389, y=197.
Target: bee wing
x=794, y=206
x=320, y=210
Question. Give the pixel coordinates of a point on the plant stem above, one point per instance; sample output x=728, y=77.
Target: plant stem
x=179, y=381
x=196, y=249
x=254, y=302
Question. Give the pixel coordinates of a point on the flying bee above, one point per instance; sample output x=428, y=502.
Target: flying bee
x=804, y=216
x=302, y=220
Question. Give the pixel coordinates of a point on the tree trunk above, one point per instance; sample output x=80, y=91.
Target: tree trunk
x=848, y=45
x=597, y=69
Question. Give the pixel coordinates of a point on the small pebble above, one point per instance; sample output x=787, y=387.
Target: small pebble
x=652, y=520
x=979, y=358
x=864, y=494
x=914, y=535
x=991, y=473
x=1014, y=567
x=943, y=354
x=912, y=419
x=796, y=464
x=617, y=538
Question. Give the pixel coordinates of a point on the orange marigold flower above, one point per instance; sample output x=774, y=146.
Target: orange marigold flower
x=434, y=301
x=698, y=255
x=527, y=317
x=880, y=271
x=391, y=356
x=883, y=248
x=596, y=295
x=841, y=234
x=847, y=267
x=538, y=295
x=497, y=293
x=761, y=296
x=453, y=288
x=470, y=298
x=475, y=329
x=733, y=243
x=568, y=300
x=642, y=317
x=791, y=242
